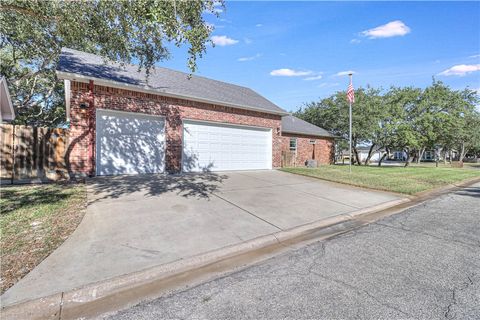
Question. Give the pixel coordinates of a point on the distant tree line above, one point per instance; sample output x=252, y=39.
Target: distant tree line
x=408, y=119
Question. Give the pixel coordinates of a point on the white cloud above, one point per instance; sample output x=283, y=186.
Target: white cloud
x=355, y=41
x=242, y=59
x=325, y=84
x=391, y=29
x=460, y=70
x=344, y=73
x=217, y=8
x=475, y=56
x=289, y=73
x=312, y=78
x=223, y=41
x=247, y=40
x=258, y=25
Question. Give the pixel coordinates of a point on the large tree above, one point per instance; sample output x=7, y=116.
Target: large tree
x=332, y=114
x=466, y=128
x=408, y=119
x=32, y=33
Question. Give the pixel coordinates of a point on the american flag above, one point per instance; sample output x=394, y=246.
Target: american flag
x=350, y=93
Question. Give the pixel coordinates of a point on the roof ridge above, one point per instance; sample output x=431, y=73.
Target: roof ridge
x=78, y=64
x=156, y=67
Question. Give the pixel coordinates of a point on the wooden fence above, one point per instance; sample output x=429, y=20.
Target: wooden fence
x=289, y=159
x=30, y=154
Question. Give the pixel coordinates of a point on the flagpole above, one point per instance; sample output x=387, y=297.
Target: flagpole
x=350, y=130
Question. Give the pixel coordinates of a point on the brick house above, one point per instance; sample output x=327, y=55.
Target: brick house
x=122, y=123
x=306, y=141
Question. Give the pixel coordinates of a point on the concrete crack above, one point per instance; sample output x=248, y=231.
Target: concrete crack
x=250, y=213
x=428, y=234
x=449, y=309
x=362, y=291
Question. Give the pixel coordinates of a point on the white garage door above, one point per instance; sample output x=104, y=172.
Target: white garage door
x=218, y=147
x=129, y=143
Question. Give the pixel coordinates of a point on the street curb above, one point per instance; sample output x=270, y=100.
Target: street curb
x=127, y=290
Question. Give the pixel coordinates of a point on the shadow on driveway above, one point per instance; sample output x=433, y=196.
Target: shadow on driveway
x=199, y=186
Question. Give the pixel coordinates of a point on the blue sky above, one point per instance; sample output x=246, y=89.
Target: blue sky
x=292, y=52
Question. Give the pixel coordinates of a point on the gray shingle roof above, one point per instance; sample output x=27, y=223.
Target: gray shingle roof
x=293, y=124
x=163, y=80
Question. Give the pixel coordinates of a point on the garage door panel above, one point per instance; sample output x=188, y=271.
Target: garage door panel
x=218, y=147
x=129, y=143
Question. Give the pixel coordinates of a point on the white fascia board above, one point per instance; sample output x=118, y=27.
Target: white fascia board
x=9, y=100
x=146, y=89
x=309, y=134
x=67, y=98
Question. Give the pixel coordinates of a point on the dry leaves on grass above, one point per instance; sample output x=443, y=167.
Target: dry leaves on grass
x=35, y=220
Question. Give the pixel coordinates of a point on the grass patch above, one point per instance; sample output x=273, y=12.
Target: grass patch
x=408, y=180
x=34, y=221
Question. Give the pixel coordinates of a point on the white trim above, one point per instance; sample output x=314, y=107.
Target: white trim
x=9, y=101
x=129, y=112
x=229, y=124
x=308, y=134
x=296, y=144
x=66, y=83
x=146, y=89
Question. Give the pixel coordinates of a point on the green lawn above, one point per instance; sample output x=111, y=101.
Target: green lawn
x=34, y=221
x=408, y=180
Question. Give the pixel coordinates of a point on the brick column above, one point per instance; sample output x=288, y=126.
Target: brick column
x=173, y=140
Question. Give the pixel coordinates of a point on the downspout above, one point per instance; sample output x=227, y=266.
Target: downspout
x=91, y=123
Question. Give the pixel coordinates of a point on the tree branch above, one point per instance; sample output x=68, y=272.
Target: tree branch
x=22, y=10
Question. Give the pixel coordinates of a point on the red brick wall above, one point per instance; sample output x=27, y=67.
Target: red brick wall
x=322, y=150
x=174, y=111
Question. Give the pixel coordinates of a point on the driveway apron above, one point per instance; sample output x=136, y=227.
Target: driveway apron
x=137, y=222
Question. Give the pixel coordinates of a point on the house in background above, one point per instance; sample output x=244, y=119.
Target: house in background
x=306, y=141
x=7, y=113
x=122, y=122
x=376, y=155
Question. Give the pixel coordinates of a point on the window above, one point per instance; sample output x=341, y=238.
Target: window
x=293, y=144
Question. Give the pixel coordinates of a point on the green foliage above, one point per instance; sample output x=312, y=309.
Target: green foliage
x=396, y=179
x=32, y=34
x=409, y=119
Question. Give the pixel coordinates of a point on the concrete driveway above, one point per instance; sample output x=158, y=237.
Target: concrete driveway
x=422, y=263
x=136, y=222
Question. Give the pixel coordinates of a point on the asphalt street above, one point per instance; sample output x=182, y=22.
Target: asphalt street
x=423, y=263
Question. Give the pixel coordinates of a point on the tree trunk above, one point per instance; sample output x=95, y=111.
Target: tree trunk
x=437, y=156
x=369, y=156
x=463, y=152
x=409, y=158
x=357, y=159
x=382, y=158
x=420, y=154
x=445, y=157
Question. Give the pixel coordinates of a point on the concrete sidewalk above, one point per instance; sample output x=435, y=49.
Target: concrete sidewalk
x=137, y=222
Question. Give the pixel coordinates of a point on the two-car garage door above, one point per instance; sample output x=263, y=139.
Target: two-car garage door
x=220, y=147
x=133, y=143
